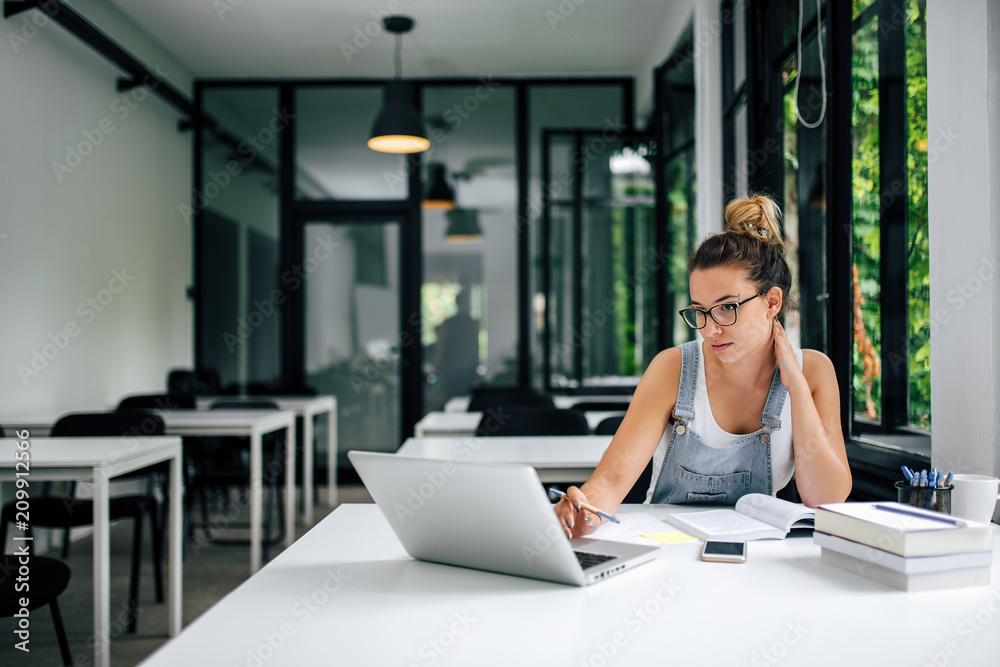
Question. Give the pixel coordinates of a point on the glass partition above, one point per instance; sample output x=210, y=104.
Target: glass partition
x=238, y=230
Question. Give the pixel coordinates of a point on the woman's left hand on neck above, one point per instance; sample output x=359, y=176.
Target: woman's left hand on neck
x=791, y=372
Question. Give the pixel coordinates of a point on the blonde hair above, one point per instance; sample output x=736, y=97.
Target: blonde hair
x=752, y=241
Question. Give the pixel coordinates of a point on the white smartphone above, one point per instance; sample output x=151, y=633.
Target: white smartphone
x=724, y=552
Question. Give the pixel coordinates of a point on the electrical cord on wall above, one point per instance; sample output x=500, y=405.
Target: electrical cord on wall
x=822, y=68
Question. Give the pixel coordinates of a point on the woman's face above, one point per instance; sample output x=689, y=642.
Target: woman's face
x=752, y=331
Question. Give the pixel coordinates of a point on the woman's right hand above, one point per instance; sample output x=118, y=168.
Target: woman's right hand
x=576, y=521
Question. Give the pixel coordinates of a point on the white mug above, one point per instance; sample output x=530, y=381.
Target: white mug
x=974, y=497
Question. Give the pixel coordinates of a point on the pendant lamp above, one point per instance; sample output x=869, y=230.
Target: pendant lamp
x=398, y=127
x=439, y=194
x=463, y=226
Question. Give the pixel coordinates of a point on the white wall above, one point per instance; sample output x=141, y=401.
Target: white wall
x=108, y=229
x=707, y=24
x=963, y=110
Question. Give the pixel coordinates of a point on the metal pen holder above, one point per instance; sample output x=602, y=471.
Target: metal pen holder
x=924, y=496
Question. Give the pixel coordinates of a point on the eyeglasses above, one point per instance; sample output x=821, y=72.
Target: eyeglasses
x=724, y=314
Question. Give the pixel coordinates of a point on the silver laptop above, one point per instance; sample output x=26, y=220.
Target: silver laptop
x=487, y=516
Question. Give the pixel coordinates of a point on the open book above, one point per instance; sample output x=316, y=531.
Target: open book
x=756, y=516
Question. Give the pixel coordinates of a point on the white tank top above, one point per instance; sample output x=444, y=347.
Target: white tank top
x=704, y=424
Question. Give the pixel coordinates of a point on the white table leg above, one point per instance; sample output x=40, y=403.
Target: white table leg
x=255, y=501
x=290, y=485
x=102, y=571
x=307, y=468
x=331, y=456
x=175, y=541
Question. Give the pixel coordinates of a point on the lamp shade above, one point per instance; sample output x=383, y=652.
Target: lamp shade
x=439, y=195
x=463, y=226
x=398, y=128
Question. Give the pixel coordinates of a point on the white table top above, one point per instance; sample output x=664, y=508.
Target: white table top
x=226, y=419
x=461, y=403
x=78, y=452
x=298, y=404
x=564, y=451
x=347, y=593
x=465, y=423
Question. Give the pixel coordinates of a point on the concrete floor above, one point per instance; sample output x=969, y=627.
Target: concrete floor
x=210, y=572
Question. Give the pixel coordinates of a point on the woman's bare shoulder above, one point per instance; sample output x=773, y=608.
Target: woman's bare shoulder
x=662, y=375
x=817, y=368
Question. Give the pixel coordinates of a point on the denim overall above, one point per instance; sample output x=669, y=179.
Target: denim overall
x=693, y=472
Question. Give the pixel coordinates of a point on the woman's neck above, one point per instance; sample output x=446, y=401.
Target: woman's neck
x=753, y=371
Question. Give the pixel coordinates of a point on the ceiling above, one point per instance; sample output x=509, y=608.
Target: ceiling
x=341, y=38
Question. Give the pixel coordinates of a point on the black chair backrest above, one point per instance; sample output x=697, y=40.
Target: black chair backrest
x=484, y=398
x=243, y=405
x=158, y=402
x=609, y=425
x=131, y=423
x=533, y=421
x=600, y=406
x=637, y=494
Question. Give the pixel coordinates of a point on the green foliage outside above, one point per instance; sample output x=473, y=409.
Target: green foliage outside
x=866, y=194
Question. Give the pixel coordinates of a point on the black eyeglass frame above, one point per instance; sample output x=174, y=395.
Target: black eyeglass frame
x=708, y=313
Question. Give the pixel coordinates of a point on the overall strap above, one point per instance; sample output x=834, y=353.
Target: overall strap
x=684, y=406
x=769, y=419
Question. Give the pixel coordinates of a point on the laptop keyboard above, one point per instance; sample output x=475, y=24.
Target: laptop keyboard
x=590, y=560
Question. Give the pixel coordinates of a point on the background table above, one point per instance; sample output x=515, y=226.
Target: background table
x=347, y=593
x=97, y=460
x=306, y=408
x=556, y=458
x=253, y=424
x=464, y=423
x=461, y=403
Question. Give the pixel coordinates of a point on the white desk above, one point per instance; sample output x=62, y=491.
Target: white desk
x=306, y=408
x=96, y=460
x=253, y=424
x=556, y=458
x=347, y=593
x=453, y=424
x=461, y=403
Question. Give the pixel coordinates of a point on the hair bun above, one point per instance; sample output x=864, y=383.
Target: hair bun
x=757, y=216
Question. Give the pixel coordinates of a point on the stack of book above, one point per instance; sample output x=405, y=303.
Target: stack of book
x=904, y=546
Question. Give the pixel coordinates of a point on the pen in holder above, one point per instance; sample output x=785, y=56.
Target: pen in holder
x=938, y=499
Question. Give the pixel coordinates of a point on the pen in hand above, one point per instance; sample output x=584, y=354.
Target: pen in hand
x=586, y=506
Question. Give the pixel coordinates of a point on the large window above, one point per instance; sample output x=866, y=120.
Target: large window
x=889, y=193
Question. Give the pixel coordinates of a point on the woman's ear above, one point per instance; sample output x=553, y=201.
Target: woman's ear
x=774, y=298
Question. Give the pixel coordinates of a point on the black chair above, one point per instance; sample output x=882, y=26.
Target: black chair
x=227, y=466
x=523, y=421
x=609, y=425
x=158, y=402
x=486, y=398
x=194, y=381
x=49, y=578
x=68, y=512
x=601, y=406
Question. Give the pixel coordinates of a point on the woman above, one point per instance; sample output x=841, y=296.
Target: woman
x=737, y=412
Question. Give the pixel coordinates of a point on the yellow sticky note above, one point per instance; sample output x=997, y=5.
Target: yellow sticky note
x=673, y=537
